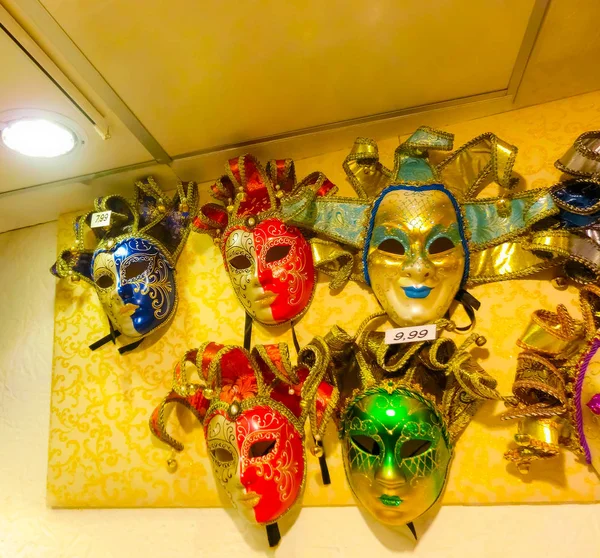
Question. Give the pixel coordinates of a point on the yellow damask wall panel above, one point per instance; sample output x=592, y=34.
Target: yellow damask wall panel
x=101, y=453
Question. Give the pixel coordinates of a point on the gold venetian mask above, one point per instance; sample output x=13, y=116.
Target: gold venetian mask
x=416, y=256
x=396, y=454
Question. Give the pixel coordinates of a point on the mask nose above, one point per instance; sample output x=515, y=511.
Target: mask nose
x=419, y=269
x=254, y=282
x=388, y=474
x=124, y=292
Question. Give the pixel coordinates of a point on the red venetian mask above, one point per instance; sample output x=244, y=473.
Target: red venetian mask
x=269, y=262
x=254, y=407
x=271, y=270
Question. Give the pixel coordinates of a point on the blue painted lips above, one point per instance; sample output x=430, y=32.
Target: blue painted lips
x=416, y=292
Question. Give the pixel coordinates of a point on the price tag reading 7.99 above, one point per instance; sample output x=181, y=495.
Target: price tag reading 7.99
x=410, y=334
x=100, y=219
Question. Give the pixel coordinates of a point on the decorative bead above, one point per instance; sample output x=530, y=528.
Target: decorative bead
x=208, y=393
x=234, y=410
x=110, y=243
x=317, y=438
x=480, y=341
x=317, y=451
x=172, y=465
x=503, y=208
x=279, y=195
x=291, y=391
x=251, y=221
x=161, y=205
x=229, y=208
x=183, y=206
x=277, y=187
x=594, y=404
x=560, y=283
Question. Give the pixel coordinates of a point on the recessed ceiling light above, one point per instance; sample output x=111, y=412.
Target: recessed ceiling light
x=38, y=137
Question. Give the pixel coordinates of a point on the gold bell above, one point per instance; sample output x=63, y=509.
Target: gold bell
x=172, y=465
x=208, y=393
x=110, y=243
x=480, y=341
x=560, y=283
x=183, y=206
x=230, y=209
x=279, y=194
x=503, y=208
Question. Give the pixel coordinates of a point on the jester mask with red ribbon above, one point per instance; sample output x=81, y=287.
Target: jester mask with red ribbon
x=253, y=407
x=269, y=262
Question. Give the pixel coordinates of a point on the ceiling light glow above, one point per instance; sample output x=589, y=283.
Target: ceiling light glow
x=37, y=137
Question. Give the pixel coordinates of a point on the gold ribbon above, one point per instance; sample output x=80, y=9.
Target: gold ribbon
x=553, y=344
x=340, y=263
x=482, y=160
x=582, y=255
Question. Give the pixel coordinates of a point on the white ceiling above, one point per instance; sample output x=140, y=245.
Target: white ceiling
x=189, y=83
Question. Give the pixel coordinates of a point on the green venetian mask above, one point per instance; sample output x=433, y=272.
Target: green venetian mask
x=396, y=453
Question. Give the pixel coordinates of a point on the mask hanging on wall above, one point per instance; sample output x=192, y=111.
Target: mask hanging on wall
x=131, y=260
x=253, y=407
x=402, y=409
x=418, y=234
x=268, y=260
x=577, y=231
x=557, y=385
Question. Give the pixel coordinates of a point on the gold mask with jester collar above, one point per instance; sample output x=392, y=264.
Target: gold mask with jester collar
x=402, y=409
x=418, y=233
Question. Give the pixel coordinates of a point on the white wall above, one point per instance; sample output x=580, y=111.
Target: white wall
x=29, y=529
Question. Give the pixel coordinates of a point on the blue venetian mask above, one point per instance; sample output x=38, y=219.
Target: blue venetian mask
x=136, y=285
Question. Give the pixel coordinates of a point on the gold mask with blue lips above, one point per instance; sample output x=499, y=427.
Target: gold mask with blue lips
x=415, y=255
x=418, y=233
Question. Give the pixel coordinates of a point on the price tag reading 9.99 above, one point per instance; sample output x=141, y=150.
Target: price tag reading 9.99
x=100, y=219
x=411, y=334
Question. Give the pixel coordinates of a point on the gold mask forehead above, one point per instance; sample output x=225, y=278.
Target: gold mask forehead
x=416, y=213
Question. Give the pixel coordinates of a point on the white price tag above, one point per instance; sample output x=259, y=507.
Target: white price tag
x=409, y=334
x=100, y=219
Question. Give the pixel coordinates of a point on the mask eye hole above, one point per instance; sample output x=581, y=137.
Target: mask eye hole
x=441, y=244
x=366, y=444
x=105, y=281
x=262, y=448
x=222, y=455
x=414, y=447
x=135, y=269
x=276, y=253
x=392, y=246
x=240, y=262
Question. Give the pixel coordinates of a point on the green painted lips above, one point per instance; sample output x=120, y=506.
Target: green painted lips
x=390, y=500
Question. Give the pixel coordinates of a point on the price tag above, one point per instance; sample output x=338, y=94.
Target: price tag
x=410, y=334
x=100, y=219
